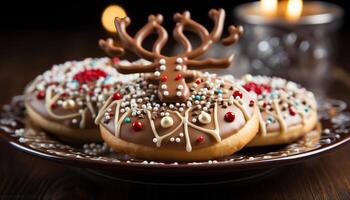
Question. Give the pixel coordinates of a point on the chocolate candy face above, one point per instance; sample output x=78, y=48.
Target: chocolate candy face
x=141, y=118
x=71, y=94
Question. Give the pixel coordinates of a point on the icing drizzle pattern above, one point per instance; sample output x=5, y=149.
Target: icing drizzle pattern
x=206, y=98
x=76, y=90
x=278, y=100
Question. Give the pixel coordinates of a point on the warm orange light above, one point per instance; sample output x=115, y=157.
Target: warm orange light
x=294, y=9
x=268, y=7
x=108, y=16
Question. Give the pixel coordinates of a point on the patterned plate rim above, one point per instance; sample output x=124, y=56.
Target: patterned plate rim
x=232, y=165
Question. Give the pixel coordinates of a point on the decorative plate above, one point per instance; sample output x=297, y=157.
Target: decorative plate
x=98, y=159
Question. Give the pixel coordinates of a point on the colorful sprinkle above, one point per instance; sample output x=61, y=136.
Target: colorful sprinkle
x=257, y=88
x=200, y=139
x=292, y=111
x=178, y=77
x=117, y=96
x=229, y=117
x=40, y=95
x=237, y=93
x=127, y=120
x=54, y=105
x=269, y=119
x=89, y=75
x=137, y=126
x=164, y=78
x=115, y=60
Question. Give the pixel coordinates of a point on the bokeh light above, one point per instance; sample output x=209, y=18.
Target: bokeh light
x=108, y=16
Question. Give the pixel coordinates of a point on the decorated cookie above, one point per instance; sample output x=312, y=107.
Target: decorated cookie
x=287, y=110
x=172, y=112
x=217, y=119
x=66, y=99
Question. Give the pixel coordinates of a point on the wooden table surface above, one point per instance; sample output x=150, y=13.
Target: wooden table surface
x=23, y=55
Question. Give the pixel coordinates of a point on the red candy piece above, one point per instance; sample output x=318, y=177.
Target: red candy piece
x=40, y=95
x=292, y=111
x=89, y=75
x=117, y=96
x=251, y=103
x=200, y=139
x=264, y=105
x=237, y=93
x=54, y=105
x=115, y=60
x=198, y=81
x=91, y=93
x=229, y=117
x=164, y=78
x=137, y=126
x=106, y=86
x=178, y=77
x=257, y=88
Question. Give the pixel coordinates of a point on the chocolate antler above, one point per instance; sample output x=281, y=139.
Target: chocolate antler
x=172, y=72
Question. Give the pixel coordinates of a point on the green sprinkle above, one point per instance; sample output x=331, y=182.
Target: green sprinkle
x=127, y=120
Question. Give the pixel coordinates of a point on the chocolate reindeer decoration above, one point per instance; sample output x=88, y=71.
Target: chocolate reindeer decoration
x=171, y=72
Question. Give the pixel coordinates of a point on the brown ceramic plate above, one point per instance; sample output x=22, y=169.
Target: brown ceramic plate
x=331, y=132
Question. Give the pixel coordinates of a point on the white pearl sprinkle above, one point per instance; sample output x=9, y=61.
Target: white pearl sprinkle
x=162, y=61
x=180, y=87
x=204, y=118
x=172, y=139
x=157, y=73
x=164, y=87
x=165, y=93
x=248, y=77
x=178, y=140
x=162, y=67
x=179, y=60
x=154, y=140
x=181, y=134
x=178, y=67
x=178, y=94
x=166, y=122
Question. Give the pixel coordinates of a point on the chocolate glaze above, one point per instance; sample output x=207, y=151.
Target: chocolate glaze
x=146, y=135
x=288, y=94
x=59, y=80
x=38, y=106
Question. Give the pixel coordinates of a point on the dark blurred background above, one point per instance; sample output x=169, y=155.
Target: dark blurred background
x=36, y=34
x=79, y=14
